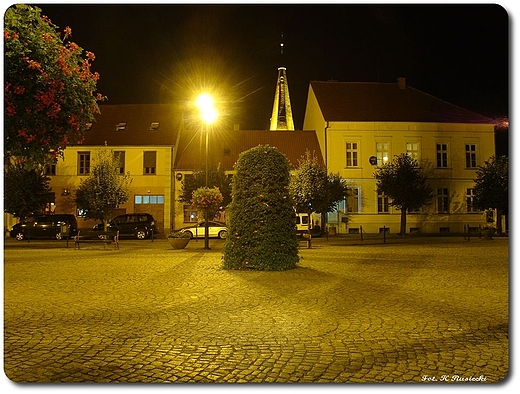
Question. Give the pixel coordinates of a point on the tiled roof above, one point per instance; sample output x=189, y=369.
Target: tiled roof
x=139, y=125
x=372, y=102
x=226, y=146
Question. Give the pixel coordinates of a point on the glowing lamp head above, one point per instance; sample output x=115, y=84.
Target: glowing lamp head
x=206, y=106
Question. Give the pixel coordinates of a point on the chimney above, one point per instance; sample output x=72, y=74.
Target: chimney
x=401, y=82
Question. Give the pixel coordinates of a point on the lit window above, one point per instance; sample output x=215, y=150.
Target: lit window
x=149, y=199
x=382, y=153
x=412, y=150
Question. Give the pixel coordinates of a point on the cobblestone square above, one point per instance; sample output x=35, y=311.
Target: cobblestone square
x=418, y=310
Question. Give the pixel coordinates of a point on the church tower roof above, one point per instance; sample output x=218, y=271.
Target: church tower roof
x=282, y=118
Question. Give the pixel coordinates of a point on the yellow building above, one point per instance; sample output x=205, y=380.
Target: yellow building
x=361, y=126
x=144, y=136
x=159, y=145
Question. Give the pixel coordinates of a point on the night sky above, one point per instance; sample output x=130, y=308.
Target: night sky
x=166, y=53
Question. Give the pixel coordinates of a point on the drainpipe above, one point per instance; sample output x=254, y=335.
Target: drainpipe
x=326, y=148
x=324, y=215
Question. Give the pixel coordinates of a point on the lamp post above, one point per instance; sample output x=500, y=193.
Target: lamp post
x=209, y=115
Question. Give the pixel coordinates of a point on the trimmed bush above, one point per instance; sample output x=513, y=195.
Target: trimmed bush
x=261, y=219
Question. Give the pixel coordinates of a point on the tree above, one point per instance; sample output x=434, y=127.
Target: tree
x=49, y=89
x=492, y=187
x=313, y=190
x=261, y=221
x=404, y=182
x=25, y=190
x=216, y=178
x=207, y=200
x=104, y=189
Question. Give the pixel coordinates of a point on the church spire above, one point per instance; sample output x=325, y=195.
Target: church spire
x=282, y=118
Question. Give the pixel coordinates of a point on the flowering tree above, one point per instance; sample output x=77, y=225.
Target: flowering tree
x=49, y=89
x=207, y=200
x=104, y=189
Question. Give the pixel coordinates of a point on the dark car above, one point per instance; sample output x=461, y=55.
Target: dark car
x=138, y=225
x=45, y=226
x=216, y=229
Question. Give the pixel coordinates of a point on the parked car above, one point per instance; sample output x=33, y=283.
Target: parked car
x=138, y=225
x=216, y=230
x=45, y=226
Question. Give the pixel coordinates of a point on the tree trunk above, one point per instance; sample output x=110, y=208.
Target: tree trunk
x=499, y=221
x=403, y=222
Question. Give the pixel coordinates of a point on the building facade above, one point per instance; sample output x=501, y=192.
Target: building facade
x=362, y=126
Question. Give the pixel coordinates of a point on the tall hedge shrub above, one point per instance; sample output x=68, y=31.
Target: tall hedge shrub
x=261, y=221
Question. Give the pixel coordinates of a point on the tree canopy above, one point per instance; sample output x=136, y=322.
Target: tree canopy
x=216, y=178
x=25, y=190
x=104, y=189
x=403, y=181
x=207, y=200
x=313, y=190
x=261, y=221
x=492, y=186
x=49, y=89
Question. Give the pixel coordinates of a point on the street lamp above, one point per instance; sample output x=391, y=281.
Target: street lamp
x=209, y=115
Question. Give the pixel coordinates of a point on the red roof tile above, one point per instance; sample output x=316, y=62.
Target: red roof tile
x=369, y=102
x=138, y=130
x=226, y=146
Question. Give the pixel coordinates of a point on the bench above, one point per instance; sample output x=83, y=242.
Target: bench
x=306, y=238
x=105, y=237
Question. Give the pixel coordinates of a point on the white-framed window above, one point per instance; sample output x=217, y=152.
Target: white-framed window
x=442, y=155
x=83, y=163
x=470, y=201
x=352, y=154
x=353, y=200
x=149, y=199
x=382, y=153
x=471, y=155
x=443, y=200
x=412, y=150
x=382, y=202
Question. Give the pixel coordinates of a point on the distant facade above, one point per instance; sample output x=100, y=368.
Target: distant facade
x=362, y=126
x=353, y=129
x=159, y=146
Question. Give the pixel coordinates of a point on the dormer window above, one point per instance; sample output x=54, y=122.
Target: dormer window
x=121, y=126
x=154, y=126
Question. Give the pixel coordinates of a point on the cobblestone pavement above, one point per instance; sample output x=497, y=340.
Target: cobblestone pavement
x=424, y=309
